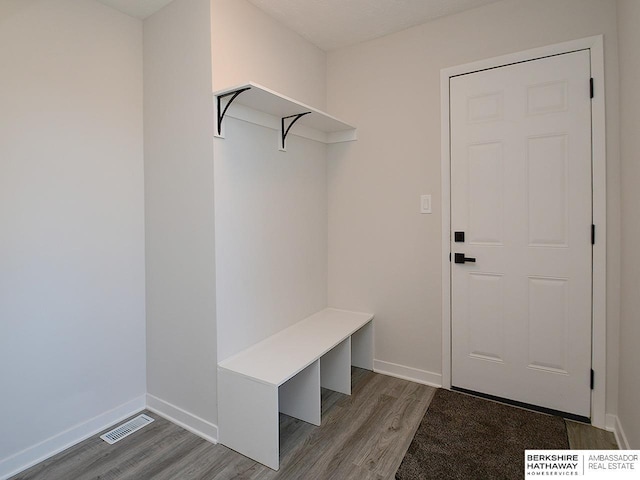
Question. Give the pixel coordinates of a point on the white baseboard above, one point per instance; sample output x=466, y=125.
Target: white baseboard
x=408, y=373
x=53, y=445
x=613, y=425
x=184, y=419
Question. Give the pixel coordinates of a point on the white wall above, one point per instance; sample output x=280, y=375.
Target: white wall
x=72, y=310
x=629, y=397
x=384, y=256
x=271, y=233
x=271, y=206
x=180, y=246
x=249, y=45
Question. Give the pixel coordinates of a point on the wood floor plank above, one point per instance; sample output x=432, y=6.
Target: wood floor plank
x=154, y=464
x=292, y=433
x=303, y=460
x=352, y=440
x=131, y=452
x=74, y=461
x=362, y=437
x=587, y=437
x=325, y=448
x=193, y=464
x=384, y=452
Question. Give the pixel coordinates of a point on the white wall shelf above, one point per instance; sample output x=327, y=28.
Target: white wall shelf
x=259, y=105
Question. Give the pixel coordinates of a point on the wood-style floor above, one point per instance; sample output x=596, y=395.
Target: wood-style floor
x=363, y=436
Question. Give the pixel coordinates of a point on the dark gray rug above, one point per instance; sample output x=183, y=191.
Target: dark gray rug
x=464, y=437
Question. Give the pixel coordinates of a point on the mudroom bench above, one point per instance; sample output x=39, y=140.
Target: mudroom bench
x=284, y=373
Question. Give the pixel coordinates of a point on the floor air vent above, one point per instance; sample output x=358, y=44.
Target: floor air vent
x=126, y=429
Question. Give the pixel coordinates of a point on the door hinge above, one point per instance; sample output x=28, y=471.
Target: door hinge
x=591, y=87
x=593, y=234
x=449, y=256
x=592, y=378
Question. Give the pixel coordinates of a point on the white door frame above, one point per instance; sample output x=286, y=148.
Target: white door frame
x=599, y=300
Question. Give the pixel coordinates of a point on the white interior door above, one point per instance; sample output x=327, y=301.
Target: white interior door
x=521, y=192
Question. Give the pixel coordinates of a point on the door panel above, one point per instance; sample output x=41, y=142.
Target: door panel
x=486, y=302
x=521, y=192
x=485, y=193
x=547, y=190
x=548, y=312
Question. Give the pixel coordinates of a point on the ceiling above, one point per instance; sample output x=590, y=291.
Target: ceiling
x=137, y=8
x=332, y=24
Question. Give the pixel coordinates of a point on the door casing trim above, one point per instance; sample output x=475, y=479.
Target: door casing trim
x=595, y=45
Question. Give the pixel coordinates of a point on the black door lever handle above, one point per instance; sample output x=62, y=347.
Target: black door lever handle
x=460, y=258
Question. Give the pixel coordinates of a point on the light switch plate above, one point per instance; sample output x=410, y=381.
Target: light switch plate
x=425, y=203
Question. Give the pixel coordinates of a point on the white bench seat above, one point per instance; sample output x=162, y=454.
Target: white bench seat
x=279, y=357
x=284, y=373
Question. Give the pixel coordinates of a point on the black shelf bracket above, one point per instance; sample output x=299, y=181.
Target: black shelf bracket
x=222, y=113
x=284, y=131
